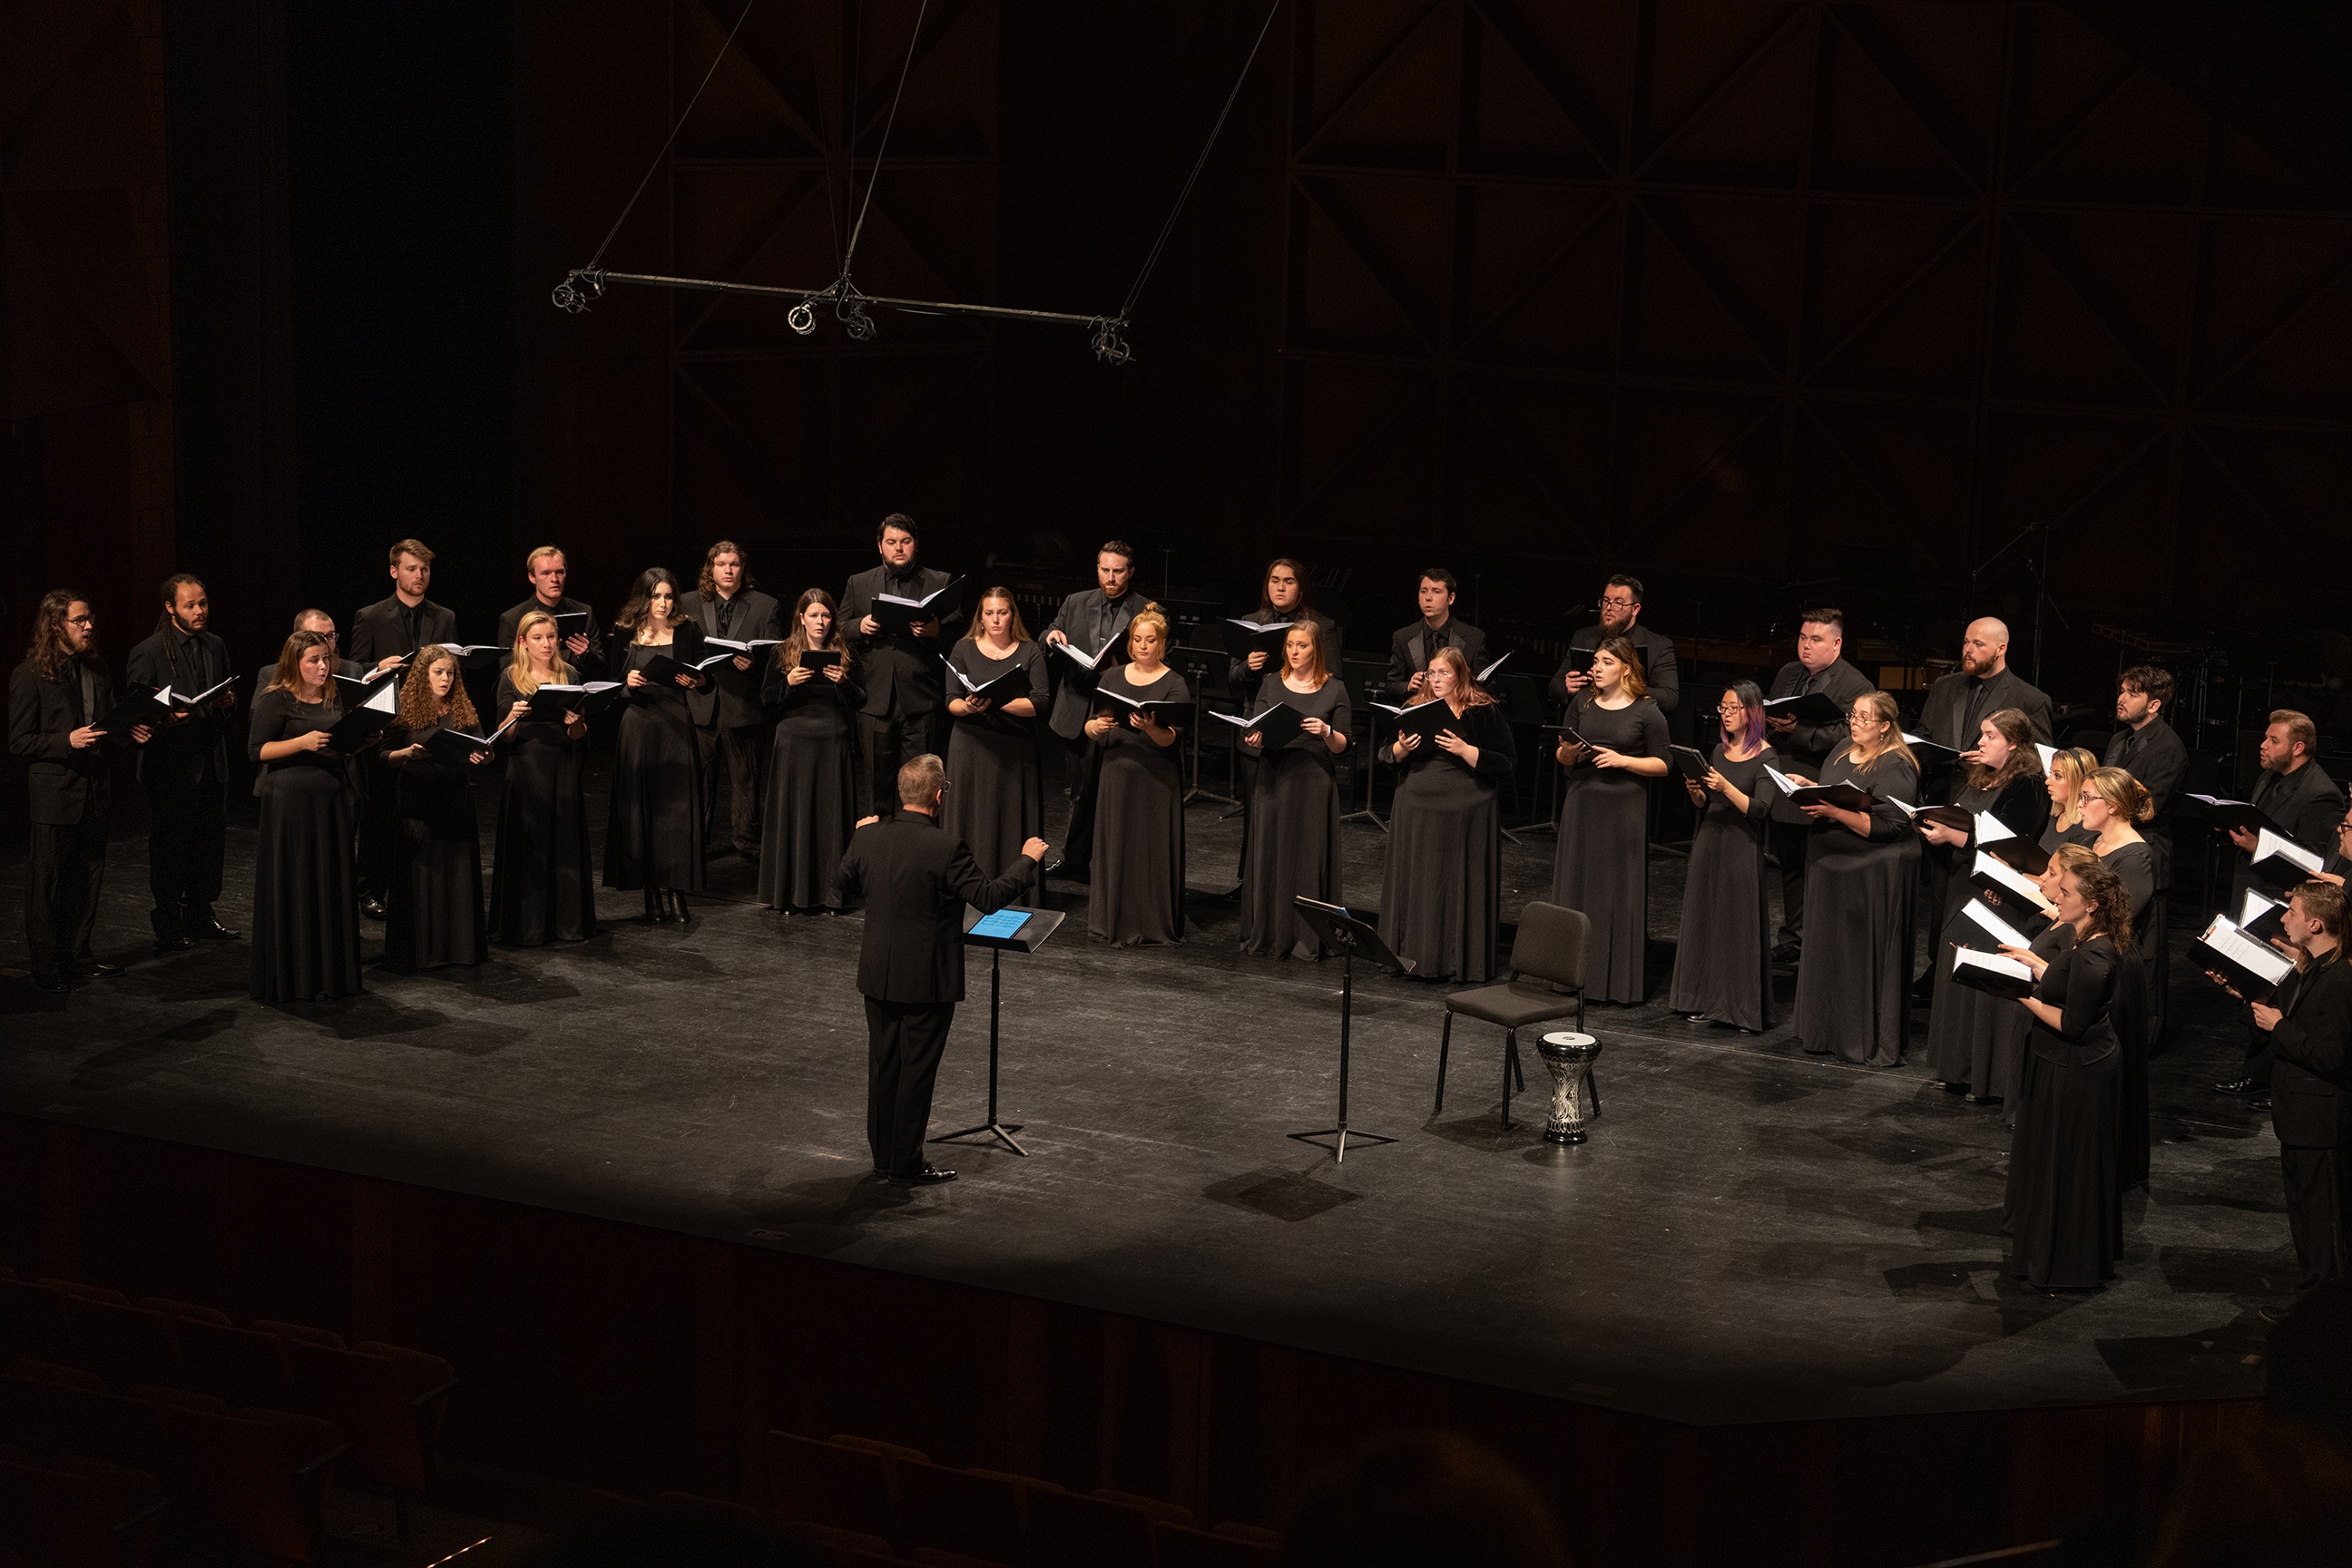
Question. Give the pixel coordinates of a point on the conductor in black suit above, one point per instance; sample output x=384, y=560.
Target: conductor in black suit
x=385, y=632
x=2308, y=1025
x=57, y=699
x=1412, y=647
x=729, y=731
x=901, y=670
x=1093, y=621
x=1819, y=666
x=914, y=877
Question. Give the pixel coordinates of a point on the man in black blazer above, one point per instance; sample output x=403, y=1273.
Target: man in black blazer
x=2295, y=792
x=583, y=645
x=2146, y=746
x=2309, y=1027
x=186, y=771
x=730, y=723
x=1093, y=621
x=1621, y=616
x=916, y=878
x=57, y=699
x=1412, y=647
x=324, y=625
x=1958, y=704
x=1819, y=666
x=902, y=672
x=390, y=630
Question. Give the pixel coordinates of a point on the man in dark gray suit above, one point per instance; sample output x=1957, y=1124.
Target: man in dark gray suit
x=729, y=725
x=901, y=673
x=916, y=878
x=1094, y=622
x=57, y=699
x=1820, y=666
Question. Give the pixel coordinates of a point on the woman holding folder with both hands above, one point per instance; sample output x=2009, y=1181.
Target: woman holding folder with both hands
x=1854, y=982
x=433, y=909
x=814, y=692
x=1139, y=857
x=996, y=782
x=1441, y=892
x=1616, y=745
x=655, y=839
x=542, y=874
x=1294, y=844
x=1975, y=1042
x=306, y=922
x=1722, y=962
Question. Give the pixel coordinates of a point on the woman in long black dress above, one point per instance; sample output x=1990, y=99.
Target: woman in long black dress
x=1601, y=865
x=2114, y=804
x=1283, y=595
x=433, y=916
x=996, y=781
x=1853, y=981
x=655, y=838
x=1976, y=1040
x=1723, y=958
x=1138, y=895
x=1441, y=892
x=2066, y=1200
x=1293, y=847
x=812, y=781
x=542, y=872
x=306, y=923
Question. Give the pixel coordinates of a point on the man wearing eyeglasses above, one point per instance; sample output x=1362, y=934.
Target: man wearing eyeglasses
x=1621, y=616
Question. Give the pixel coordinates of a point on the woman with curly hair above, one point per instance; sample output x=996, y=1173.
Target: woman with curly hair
x=433, y=910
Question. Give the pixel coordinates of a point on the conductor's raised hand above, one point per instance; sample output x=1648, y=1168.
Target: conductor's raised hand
x=1036, y=848
x=867, y=822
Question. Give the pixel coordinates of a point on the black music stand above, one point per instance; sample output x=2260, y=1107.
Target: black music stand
x=1346, y=934
x=1041, y=924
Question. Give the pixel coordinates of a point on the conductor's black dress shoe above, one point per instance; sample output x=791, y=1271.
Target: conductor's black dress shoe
x=928, y=1176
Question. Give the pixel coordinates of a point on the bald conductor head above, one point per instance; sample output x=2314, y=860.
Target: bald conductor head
x=1984, y=648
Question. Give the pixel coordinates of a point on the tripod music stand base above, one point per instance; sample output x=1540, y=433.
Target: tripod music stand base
x=1339, y=1135
x=997, y=1131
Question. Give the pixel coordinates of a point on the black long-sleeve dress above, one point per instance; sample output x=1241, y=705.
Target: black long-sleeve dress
x=2135, y=864
x=542, y=871
x=1294, y=846
x=2066, y=1200
x=811, y=788
x=433, y=906
x=1137, y=895
x=1723, y=958
x=996, y=779
x=655, y=837
x=1601, y=865
x=1975, y=1038
x=1441, y=892
x=306, y=922
x=1854, y=979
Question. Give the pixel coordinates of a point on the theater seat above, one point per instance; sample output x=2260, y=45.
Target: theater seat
x=957, y=1511
x=1176, y=1546
x=76, y=1514
x=185, y=1311
x=123, y=1344
x=713, y=1511
x=837, y=1545
x=387, y=1401
x=240, y=1364
x=828, y=1484
x=1066, y=1531
x=249, y=1481
x=31, y=1320
x=108, y=1426
x=87, y=1292
x=1172, y=1512
x=876, y=1446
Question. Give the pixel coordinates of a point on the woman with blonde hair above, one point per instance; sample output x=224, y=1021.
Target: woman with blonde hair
x=306, y=923
x=1601, y=866
x=1853, y=981
x=1975, y=1041
x=542, y=872
x=433, y=910
x=1441, y=894
x=2068, y=768
x=812, y=689
x=2114, y=804
x=996, y=777
x=1293, y=846
x=1138, y=855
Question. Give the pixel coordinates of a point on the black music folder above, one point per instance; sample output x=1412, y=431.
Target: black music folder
x=1167, y=712
x=2280, y=862
x=1275, y=727
x=2254, y=969
x=820, y=658
x=366, y=722
x=1994, y=973
x=1424, y=718
x=458, y=747
x=1845, y=796
x=897, y=612
x=2229, y=815
x=1010, y=687
x=476, y=655
x=1691, y=764
x=1811, y=708
x=553, y=700
x=1244, y=636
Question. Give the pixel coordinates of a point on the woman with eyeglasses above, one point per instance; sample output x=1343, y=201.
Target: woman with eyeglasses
x=1138, y=895
x=1440, y=893
x=1723, y=959
x=1853, y=981
x=1616, y=746
x=1975, y=1040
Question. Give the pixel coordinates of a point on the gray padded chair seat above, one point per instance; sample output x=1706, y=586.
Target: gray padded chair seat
x=1546, y=983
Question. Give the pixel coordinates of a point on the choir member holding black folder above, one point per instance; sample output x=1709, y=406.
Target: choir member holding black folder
x=1089, y=636
x=1975, y=1042
x=654, y=840
x=542, y=874
x=184, y=771
x=1138, y=861
x=392, y=631
x=1412, y=647
x=996, y=782
x=1441, y=892
x=1621, y=616
x=1807, y=739
x=1615, y=743
x=814, y=692
x=2114, y=805
x=2069, y=766
x=577, y=633
x=1255, y=643
x=1722, y=962
x=2146, y=746
x=1855, y=980
x=730, y=722
x=2064, y=1199
x=306, y=932
x=433, y=913
x=1297, y=724
x=898, y=618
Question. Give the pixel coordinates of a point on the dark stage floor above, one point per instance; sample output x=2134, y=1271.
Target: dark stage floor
x=1751, y=1234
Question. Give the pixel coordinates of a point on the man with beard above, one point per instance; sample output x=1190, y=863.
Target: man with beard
x=901, y=671
x=2147, y=746
x=1819, y=666
x=1621, y=616
x=2295, y=792
x=1093, y=621
x=729, y=725
x=185, y=770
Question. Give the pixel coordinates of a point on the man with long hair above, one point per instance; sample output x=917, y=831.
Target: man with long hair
x=57, y=699
x=730, y=730
x=186, y=771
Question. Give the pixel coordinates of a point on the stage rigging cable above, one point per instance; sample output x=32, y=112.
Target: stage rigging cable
x=582, y=286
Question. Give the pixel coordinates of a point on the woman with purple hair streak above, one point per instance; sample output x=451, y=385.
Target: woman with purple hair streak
x=1723, y=962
